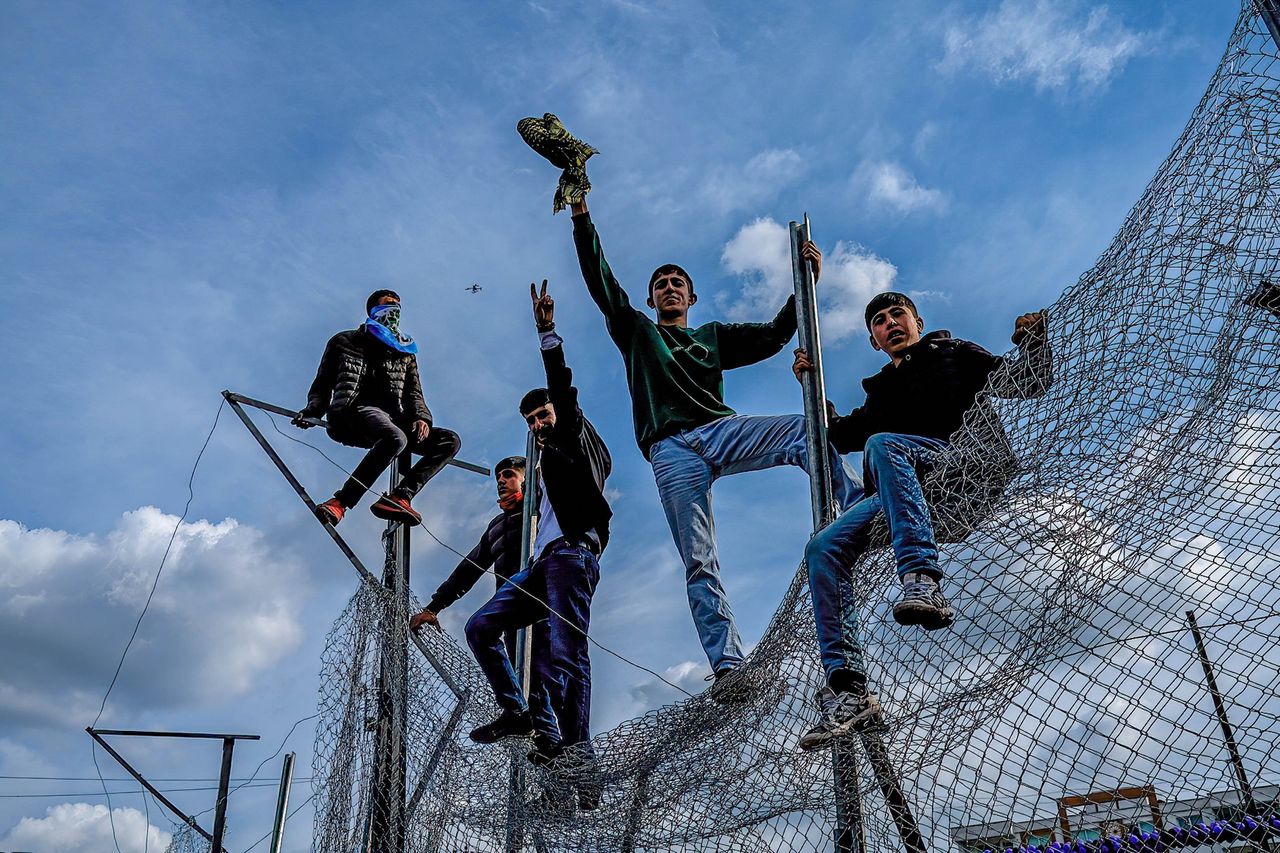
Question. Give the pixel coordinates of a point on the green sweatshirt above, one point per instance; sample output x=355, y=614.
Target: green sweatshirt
x=675, y=375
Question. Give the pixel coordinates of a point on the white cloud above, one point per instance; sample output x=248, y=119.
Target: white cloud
x=889, y=186
x=86, y=828
x=760, y=254
x=730, y=188
x=225, y=610
x=1043, y=42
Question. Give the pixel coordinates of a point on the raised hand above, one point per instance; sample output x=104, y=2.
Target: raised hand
x=811, y=253
x=544, y=307
x=426, y=617
x=803, y=364
x=1030, y=328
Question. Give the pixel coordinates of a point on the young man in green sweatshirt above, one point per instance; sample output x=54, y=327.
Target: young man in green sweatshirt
x=685, y=429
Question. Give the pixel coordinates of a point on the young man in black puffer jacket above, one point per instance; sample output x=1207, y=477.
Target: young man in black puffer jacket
x=914, y=406
x=369, y=391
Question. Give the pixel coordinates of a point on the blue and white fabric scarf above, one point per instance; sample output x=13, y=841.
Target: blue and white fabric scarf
x=384, y=324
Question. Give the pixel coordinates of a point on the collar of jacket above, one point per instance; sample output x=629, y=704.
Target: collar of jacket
x=926, y=343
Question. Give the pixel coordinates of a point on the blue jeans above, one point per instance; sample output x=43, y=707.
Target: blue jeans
x=684, y=467
x=893, y=464
x=565, y=577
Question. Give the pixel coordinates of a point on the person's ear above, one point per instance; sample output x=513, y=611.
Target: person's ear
x=874, y=345
x=693, y=299
x=919, y=324
x=649, y=301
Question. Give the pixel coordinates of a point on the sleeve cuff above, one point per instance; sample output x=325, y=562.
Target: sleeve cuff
x=550, y=340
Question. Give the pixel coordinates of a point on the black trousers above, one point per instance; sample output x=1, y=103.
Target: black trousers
x=371, y=427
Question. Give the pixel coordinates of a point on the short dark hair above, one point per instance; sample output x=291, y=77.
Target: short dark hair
x=667, y=268
x=535, y=399
x=514, y=462
x=888, y=299
x=375, y=296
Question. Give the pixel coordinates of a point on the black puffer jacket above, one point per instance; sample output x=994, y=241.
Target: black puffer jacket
x=938, y=381
x=498, y=548
x=349, y=358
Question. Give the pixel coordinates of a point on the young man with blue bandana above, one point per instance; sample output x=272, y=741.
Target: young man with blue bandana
x=369, y=391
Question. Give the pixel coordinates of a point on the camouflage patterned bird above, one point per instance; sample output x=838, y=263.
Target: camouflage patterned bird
x=548, y=137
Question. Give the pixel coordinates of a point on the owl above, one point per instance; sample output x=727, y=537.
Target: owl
x=548, y=137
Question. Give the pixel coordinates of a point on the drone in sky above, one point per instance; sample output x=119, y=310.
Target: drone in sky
x=475, y=288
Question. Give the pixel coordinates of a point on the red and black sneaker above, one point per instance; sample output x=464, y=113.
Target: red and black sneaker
x=331, y=511
x=395, y=507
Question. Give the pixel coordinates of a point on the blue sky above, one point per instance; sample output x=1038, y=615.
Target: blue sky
x=200, y=195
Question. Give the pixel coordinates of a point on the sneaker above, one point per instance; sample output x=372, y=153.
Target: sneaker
x=922, y=603
x=508, y=724
x=330, y=512
x=842, y=713
x=394, y=507
x=729, y=686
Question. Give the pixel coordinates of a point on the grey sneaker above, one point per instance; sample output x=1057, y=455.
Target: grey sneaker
x=922, y=603
x=841, y=713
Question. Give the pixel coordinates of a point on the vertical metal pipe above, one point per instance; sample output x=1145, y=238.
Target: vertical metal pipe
x=389, y=783
x=850, y=834
x=1242, y=780
x=1269, y=10
x=220, y=808
x=282, y=803
x=523, y=664
x=814, y=388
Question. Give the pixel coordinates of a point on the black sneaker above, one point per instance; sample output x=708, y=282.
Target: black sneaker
x=842, y=713
x=508, y=724
x=730, y=686
x=922, y=603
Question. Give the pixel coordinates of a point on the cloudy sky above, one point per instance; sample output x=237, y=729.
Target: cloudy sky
x=201, y=194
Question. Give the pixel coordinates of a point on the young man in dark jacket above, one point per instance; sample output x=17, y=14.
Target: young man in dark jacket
x=686, y=430
x=369, y=391
x=573, y=529
x=913, y=407
x=499, y=550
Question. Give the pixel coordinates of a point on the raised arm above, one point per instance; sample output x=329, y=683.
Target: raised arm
x=564, y=397
x=608, y=294
x=464, y=576
x=746, y=343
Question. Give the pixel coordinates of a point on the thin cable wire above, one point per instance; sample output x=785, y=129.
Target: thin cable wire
x=146, y=605
x=296, y=809
x=523, y=591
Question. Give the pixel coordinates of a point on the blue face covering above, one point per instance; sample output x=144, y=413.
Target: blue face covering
x=384, y=324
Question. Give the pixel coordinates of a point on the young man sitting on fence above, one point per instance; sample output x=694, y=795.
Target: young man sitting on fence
x=913, y=407
x=675, y=374
x=369, y=391
x=573, y=529
x=499, y=549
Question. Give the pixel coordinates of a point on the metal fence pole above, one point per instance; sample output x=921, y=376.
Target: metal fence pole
x=387, y=800
x=850, y=834
x=282, y=803
x=523, y=664
x=1220, y=708
x=1270, y=12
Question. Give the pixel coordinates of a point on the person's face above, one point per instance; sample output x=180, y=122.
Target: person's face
x=895, y=328
x=541, y=420
x=670, y=296
x=510, y=483
x=386, y=300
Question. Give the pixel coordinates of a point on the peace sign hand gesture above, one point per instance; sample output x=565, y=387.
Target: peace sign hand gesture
x=544, y=307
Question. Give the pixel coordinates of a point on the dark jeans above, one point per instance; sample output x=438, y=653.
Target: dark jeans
x=371, y=427
x=564, y=576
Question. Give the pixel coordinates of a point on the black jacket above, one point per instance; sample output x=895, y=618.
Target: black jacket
x=498, y=548
x=573, y=458
x=938, y=381
x=349, y=359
